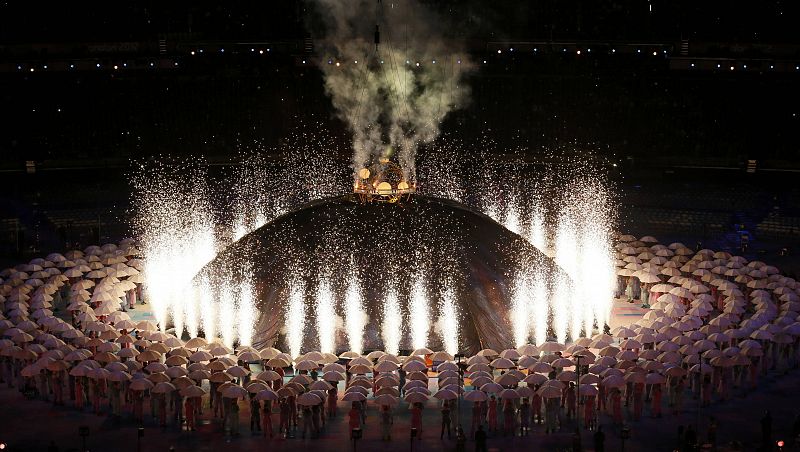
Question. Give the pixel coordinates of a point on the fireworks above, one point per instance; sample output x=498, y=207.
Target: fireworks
x=208, y=307
x=512, y=220
x=583, y=249
x=567, y=257
x=539, y=307
x=598, y=270
x=192, y=314
x=355, y=317
x=392, y=322
x=295, y=319
x=326, y=317
x=227, y=314
x=176, y=230
x=536, y=228
x=567, y=214
x=559, y=304
x=448, y=320
x=419, y=314
x=577, y=201
x=520, y=299
x=247, y=313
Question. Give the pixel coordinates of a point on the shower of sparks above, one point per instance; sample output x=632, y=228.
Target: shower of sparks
x=227, y=313
x=355, y=317
x=240, y=229
x=560, y=306
x=539, y=308
x=392, y=327
x=419, y=314
x=583, y=250
x=255, y=201
x=512, y=218
x=176, y=230
x=536, y=232
x=597, y=258
x=193, y=313
x=448, y=320
x=247, y=312
x=257, y=190
x=567, y=257
x=491, y=210
x=261, y=219
x=567, y=214
x=208, y=308
x=326, y=316
x=177, y=313
x=520, y=298
x=295, y=322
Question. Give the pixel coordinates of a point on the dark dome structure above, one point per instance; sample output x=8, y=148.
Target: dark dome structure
x=382, y=245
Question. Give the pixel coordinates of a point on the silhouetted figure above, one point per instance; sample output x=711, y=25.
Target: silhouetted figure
x=712, y=431
x=446, y=421
x=689, y=438
x=599, y=440
x=480, y=440
x=766, y=429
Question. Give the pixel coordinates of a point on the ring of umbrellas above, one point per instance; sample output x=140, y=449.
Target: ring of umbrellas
x=716, y=323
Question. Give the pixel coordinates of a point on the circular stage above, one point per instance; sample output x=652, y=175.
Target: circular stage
x=387, y=247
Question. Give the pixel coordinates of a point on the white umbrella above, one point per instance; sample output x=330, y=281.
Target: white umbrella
x=552, y=347
x=476, y=396
x=267, y=394
x=502, y=363
x=235, y=392
x=415, y=397
x=509, y=394
x=491, y=388
x=386, y=400
x=415, y=366
x=309, y=399
x=446, y=394
x=385, y=366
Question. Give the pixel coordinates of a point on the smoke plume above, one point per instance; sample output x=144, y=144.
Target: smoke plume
x=393, y=96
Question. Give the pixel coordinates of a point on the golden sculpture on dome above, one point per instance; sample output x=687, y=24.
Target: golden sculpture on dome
x=382, y=182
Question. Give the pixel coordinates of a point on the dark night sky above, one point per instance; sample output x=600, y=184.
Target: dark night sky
x=763, y=21
x=633, y=105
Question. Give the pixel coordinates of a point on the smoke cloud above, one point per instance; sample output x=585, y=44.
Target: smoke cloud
x=393, y=97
